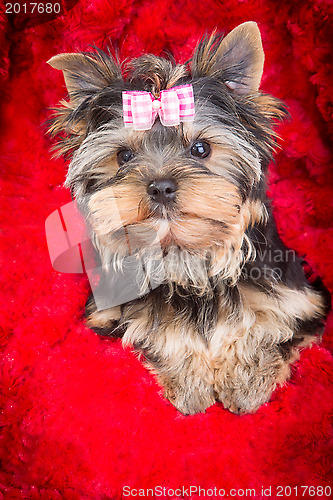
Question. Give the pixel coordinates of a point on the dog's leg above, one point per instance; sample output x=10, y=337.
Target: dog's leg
x=244, y=385
x=105, y=321
x=177, y=355
x=254, y=354
x=188, y=387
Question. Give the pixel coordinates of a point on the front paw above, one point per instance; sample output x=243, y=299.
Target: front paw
x=226, y=399
x=190, y=402
x=242, y=400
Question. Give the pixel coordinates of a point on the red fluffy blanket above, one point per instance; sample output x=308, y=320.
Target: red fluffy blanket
x=80, y=417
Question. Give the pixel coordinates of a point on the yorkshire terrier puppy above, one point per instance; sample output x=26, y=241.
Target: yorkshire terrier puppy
x=168, y=165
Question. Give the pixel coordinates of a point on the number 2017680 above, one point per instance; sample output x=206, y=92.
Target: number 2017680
x=33, y=8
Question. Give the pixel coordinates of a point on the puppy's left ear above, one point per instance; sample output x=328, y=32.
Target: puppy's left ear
x=237, y=59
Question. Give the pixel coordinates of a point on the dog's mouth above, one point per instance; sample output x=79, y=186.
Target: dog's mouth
x=185, y=230
x=192, y=222
x=161, y=212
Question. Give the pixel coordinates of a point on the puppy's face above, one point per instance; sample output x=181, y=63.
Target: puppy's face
x=171, y=183
x=195, y=186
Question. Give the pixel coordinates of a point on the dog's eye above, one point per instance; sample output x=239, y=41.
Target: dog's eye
x=124, y=156
x=200, y=149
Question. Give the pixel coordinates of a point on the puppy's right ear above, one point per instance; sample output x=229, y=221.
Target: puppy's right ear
x=86, y=73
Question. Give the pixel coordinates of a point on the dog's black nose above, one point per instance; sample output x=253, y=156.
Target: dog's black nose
x=162, y=191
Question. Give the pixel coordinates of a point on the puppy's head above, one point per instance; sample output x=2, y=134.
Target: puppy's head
x=195, y=187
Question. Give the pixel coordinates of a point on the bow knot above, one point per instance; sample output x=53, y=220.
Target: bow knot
x=173, y=106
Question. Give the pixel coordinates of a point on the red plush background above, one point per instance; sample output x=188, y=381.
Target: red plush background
x=80, y=416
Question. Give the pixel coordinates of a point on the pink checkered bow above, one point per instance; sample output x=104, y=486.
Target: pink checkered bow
x=173, y=106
